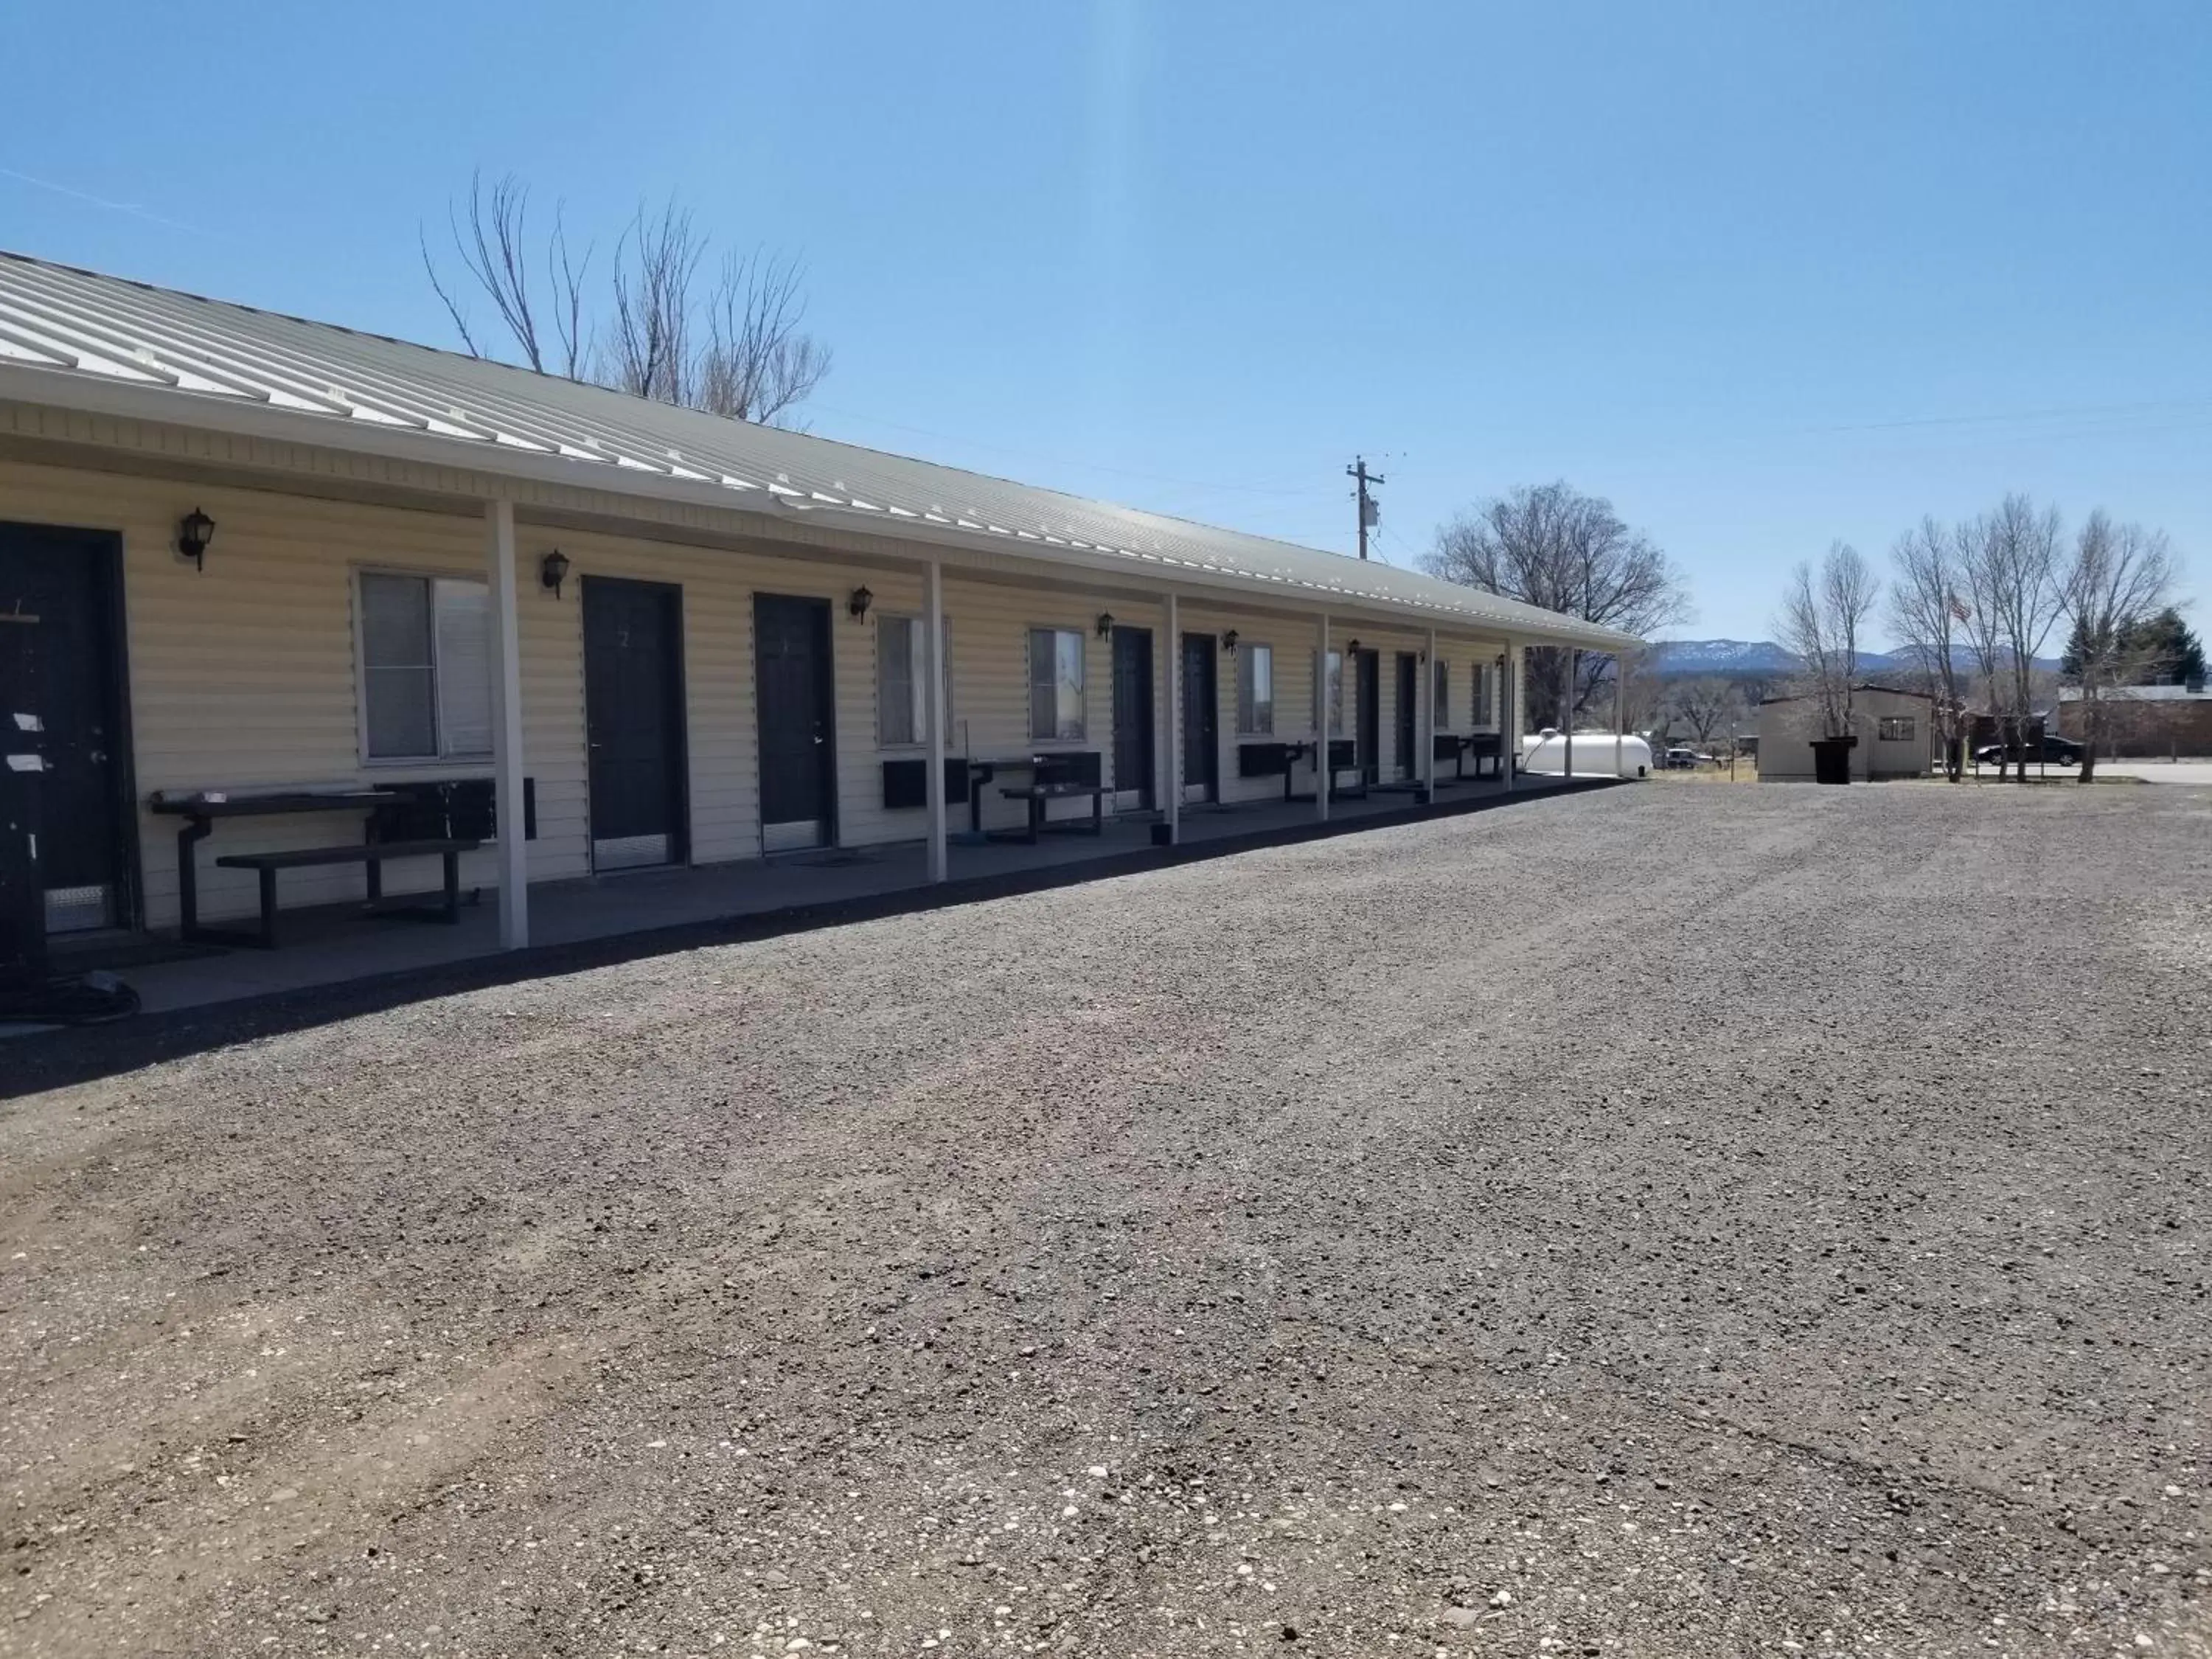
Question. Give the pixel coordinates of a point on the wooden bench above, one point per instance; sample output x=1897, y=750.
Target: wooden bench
x=370, y=853
x=1039, y=795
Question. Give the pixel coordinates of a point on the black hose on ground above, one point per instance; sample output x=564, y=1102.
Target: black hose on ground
x=94, y=999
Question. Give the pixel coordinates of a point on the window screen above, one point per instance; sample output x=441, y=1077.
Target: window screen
x=425, y=666
x=1255, y=690
x=903, y=680
x=1055, y=685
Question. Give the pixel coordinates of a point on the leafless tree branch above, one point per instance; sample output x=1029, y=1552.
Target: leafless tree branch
x=1550, y=546
x=737, y=348
x=1824, y=616
x=2119, y=577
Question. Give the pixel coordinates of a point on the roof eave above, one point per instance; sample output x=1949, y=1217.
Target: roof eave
x=81, y=394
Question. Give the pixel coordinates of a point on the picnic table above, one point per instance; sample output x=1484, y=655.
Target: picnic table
x=201, y=808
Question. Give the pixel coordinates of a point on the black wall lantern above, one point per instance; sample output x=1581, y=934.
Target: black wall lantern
x=194, y=531
x=1352, y=647
x=553, y=570
x=1105, y=623
x=1229, y=643
x=858, y=603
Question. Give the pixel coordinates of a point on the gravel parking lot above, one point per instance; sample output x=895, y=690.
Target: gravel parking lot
x=1656, y=1222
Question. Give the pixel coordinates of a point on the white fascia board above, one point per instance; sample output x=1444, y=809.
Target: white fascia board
x=237, y=417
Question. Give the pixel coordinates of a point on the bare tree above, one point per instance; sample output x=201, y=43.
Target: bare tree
x=1824, y=616
x=645, y=348
x=2024, y=549
x=1706, y=703
x=758, y=362
x=495, y=250
x=1553, y=546
x=2117, y=579
x=1927, y=610
x=736, y=348
x=2010, y=557
x=1985, y=632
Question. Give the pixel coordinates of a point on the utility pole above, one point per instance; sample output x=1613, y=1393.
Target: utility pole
x=1369, y=513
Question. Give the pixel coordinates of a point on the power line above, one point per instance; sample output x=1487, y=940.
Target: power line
x=2066, y=413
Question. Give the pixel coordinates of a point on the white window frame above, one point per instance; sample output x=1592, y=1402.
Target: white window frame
x=1082, y=687
x=441, y=757
x=1440, y=693
x=917, y=670
x=1254, y=718
x=1330, y=699
x=1883, y=733
x=1481, y=704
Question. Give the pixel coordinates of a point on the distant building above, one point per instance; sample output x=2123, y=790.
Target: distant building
x=2143, y=720
x=1895, y=732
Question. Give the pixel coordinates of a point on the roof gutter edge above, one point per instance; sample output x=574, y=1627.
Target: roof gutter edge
x=76, y=393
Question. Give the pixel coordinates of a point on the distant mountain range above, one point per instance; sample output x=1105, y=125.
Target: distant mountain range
x=1751, y=657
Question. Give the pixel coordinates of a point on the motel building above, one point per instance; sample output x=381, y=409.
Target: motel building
x=273, y=592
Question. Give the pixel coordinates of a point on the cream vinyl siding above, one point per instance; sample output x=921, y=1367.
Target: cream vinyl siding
x=1294, y=643
x=991, y=626
x=244, y=675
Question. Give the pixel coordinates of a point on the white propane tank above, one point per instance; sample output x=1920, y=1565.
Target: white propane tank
x=1594, y=757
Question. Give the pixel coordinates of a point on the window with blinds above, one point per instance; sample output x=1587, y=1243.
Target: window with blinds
x=1255, y=690
x=1331, y=680
x=1484, y=712
x=1440, y=704
x=1055, y=685
x=903, y=680
x=425, y=667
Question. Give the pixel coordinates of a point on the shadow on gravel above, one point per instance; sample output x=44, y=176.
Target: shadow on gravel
x=53, y=1060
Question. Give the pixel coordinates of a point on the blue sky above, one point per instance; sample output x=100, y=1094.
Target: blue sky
x=1765, y=275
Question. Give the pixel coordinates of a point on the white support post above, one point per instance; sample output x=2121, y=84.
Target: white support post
x=1509, y=718
x=1567, y=706
x=507, y=761
x=933, y=585
x=1619, y=702
x=1427, y=705
x=1321, y=725
x=1171, y=719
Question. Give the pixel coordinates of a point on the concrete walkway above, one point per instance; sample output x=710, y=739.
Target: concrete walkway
x=335, y=944
x=2158, y=771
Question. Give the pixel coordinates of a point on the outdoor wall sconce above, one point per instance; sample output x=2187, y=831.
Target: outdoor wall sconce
x=859, y=603
x=1229, y=643
x=194, y=531
x=1105, y=623
x=1353, y=646
x=553, y=570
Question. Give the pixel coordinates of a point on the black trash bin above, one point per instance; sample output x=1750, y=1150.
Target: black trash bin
x=1832, y=759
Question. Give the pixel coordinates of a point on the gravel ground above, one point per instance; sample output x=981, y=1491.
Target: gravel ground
x=1276, y=1253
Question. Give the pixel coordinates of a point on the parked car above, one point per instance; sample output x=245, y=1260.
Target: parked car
x=2057, y=751
x=1679, y=760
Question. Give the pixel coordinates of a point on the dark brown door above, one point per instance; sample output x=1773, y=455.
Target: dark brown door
x=1409, y=731
x=798, y=722
x=61, y=724
x=1133, y=718
x=634, y=721
x=1201, y=720
x=1369, y=727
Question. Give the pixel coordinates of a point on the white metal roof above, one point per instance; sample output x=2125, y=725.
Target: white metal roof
x=66, y=334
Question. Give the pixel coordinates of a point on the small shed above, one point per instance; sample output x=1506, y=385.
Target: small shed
x=1895, y=732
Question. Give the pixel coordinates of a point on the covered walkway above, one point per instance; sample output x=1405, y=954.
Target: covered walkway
x=331, y=944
